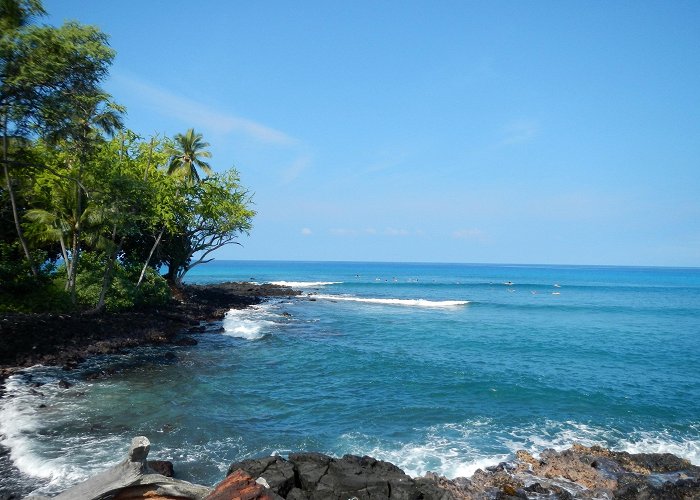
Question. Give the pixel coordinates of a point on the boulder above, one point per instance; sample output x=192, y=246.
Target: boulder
x=162, y=467
x=273, y=472
x=315, y=476
x=240, y=485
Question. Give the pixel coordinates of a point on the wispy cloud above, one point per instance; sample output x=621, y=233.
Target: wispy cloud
x=294, y=170
x=520, y=132
x=472, y=234
x=392, y=231
x=370, y=231
x=305, y=231
x=200, y=115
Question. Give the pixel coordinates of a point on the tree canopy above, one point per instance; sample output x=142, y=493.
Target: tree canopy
x=91, y=211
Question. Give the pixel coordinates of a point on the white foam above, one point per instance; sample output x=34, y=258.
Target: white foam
x=458, y=449
x=662, y=442
x=439, y=304
x=21, y=426
x=251, y=323
x=305, y=284
x=561, y=435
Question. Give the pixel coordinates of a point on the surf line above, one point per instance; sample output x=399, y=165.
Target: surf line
x=438, y=304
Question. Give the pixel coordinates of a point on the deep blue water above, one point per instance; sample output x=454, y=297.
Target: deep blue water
x=440, y=367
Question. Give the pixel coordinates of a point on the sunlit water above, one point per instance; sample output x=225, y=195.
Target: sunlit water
x=444, y=368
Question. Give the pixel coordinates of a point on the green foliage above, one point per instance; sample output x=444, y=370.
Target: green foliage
x=186, y=157
x=123, y=293
x=17, y=13
x=20, y=291
x=77, y=187
x=213, y=213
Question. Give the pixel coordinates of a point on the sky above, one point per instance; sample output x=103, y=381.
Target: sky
x=539, y=132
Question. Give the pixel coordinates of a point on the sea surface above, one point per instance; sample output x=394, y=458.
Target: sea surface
x=434, y=367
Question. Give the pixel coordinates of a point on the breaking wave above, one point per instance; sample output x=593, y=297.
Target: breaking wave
x=458, y=450
x=305, y=284
x=251, y=323
x=438, y=304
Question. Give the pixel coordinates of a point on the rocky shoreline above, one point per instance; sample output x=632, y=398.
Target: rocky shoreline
x=68, y=339
x=579, y=472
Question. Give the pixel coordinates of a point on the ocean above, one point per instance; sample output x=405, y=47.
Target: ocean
x=434, y=367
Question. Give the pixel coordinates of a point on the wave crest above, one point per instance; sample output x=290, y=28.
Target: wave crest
x=305, y=284
x=250, y=324
x=438, y=304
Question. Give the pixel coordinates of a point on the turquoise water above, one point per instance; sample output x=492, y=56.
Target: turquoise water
x=439, y=367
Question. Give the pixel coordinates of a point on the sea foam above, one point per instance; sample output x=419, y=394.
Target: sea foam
x=305, y=284
x=251, y=323
x=438, y=304
x=457, y=449
x=23, y=429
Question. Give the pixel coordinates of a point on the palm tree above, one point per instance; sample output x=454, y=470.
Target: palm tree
x=92, y=116
x=186, y=156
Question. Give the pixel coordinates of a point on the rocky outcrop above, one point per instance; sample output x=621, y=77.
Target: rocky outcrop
x=133, y=479
x=579, y=472
x=587, y=473
x=69, y=339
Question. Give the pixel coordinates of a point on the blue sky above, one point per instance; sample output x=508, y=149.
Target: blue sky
x=499, y=132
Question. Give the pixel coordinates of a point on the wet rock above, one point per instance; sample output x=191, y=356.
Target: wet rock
x=186, y=341
x=162, y=467
x=240, y=485
x=277, y=473
x=64, y=384
x=317, y=476
x=595, y=472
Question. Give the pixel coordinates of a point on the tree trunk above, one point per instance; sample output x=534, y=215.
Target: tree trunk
x=15, y=213
x=108, y=275
x=75, y=249
x=150, y=255
x=64, y=252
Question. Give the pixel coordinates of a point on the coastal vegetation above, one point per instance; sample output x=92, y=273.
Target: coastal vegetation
x=94, y=216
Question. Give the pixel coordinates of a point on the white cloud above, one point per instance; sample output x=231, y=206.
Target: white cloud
x=397, y=232
x=305, y=231
x=200, y=115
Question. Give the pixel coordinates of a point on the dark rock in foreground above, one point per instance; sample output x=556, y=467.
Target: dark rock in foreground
x=579, y=472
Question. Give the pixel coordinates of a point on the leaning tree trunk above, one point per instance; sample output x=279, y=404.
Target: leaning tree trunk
x=75, y=248
x=150, y=255
x=13, y=202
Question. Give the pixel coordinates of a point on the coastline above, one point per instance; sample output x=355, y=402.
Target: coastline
x=68, y=339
